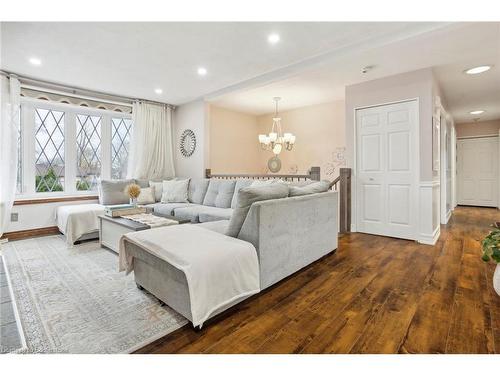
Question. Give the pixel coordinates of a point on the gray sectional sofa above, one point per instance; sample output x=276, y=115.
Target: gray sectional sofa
x=287, y=233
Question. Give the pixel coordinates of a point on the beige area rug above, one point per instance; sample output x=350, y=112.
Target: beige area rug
x=74, y=300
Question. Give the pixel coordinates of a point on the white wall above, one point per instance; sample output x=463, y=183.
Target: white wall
x=192, y=116
x=35, y=216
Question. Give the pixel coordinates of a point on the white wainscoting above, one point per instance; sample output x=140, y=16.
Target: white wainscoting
x=429, y=230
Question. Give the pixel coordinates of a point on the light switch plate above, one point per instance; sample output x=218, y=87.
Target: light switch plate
x=14, y=216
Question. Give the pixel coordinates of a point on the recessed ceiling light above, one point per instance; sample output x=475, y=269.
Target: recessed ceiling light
x=35, y=61
x=202, y=71
x=273, y=38
x=159, y=91
x=478, y=112
x=478, y=69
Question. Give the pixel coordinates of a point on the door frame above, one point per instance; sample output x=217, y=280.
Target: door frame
x=416, y=159
x=465, y=138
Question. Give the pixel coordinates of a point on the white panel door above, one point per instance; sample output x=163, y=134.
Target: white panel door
x=387, y=170
x=477, y=171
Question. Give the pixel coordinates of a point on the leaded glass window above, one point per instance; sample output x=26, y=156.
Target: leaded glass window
x=49, y=150
x=120, y=140
x=88, y=139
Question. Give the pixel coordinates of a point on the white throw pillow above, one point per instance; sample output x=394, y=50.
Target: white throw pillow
x=259, y=183
x=158, y=189
x=147, y=196
x=175, y=191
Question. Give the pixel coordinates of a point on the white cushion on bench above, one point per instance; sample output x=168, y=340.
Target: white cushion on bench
x=76, y=220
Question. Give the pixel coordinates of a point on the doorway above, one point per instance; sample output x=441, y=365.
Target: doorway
x=477, y=171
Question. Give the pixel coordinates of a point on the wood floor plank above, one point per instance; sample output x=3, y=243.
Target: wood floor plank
x=429, y=327
x=375, y=295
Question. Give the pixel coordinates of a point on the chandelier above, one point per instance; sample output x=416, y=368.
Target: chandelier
x=277, y=140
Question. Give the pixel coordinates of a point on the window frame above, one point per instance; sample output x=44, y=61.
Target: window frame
x=28, y=106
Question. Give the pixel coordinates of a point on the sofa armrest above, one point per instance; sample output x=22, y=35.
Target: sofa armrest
x=291, y=233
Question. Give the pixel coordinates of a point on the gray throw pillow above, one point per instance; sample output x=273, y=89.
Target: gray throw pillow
x=240, y=184
x=312, y=188
x=113, y=192
x=249, y=195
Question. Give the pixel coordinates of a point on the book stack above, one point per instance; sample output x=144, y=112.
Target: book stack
x=123, y=209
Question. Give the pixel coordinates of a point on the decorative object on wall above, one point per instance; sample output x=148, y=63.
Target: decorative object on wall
x=274, y=164
x=187, y=143
x=277, y=140
x=338, y=161
x=293, y=169
x=435, y=143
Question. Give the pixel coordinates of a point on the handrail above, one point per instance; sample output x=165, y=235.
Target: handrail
x=334, y=183
x=314, y=174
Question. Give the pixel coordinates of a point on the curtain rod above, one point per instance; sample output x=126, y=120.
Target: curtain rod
x=30, y=83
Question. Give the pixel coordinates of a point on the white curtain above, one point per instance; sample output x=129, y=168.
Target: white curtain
x=151, y=148
x=9, y=129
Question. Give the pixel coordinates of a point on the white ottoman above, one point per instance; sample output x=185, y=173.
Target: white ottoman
x=79, y=222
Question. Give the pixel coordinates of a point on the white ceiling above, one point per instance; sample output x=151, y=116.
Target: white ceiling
x=311, y=64
x=448, y=50
x=132, y=59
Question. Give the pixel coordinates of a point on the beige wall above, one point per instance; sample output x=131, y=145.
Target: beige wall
x=234, y=146
x=320, y=132
x=476, y=129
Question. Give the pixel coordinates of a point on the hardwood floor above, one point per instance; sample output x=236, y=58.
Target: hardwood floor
x=374, y=295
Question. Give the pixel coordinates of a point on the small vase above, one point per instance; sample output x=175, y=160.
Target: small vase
x=496, y=279
x=133, y=202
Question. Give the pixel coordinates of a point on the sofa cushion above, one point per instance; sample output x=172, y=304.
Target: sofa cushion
x=240, y=183
x=249, y=195
x=167, y=208
x=197, y=190
x=270, y=181
x=113, y=191
x=312, y=188
x=142, y=183
x=191, y=212
x=175, y=191
x=147, y=195
x=214, y=214
x=219, y=193
x=217, y=226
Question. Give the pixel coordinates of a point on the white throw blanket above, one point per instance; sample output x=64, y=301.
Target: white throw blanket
x=219, y=269
x=77, y=220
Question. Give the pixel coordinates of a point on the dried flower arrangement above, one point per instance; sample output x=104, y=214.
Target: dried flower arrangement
x=133, y=191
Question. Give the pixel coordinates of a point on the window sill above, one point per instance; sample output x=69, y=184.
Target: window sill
x=21, y=202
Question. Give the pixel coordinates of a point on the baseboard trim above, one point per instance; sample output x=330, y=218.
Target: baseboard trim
x=430, y=239
x=37, y=232
x=22, y=202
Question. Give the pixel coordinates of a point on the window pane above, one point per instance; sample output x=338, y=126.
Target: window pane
x=88, y=162
x=49, y=150
x=120, y=139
